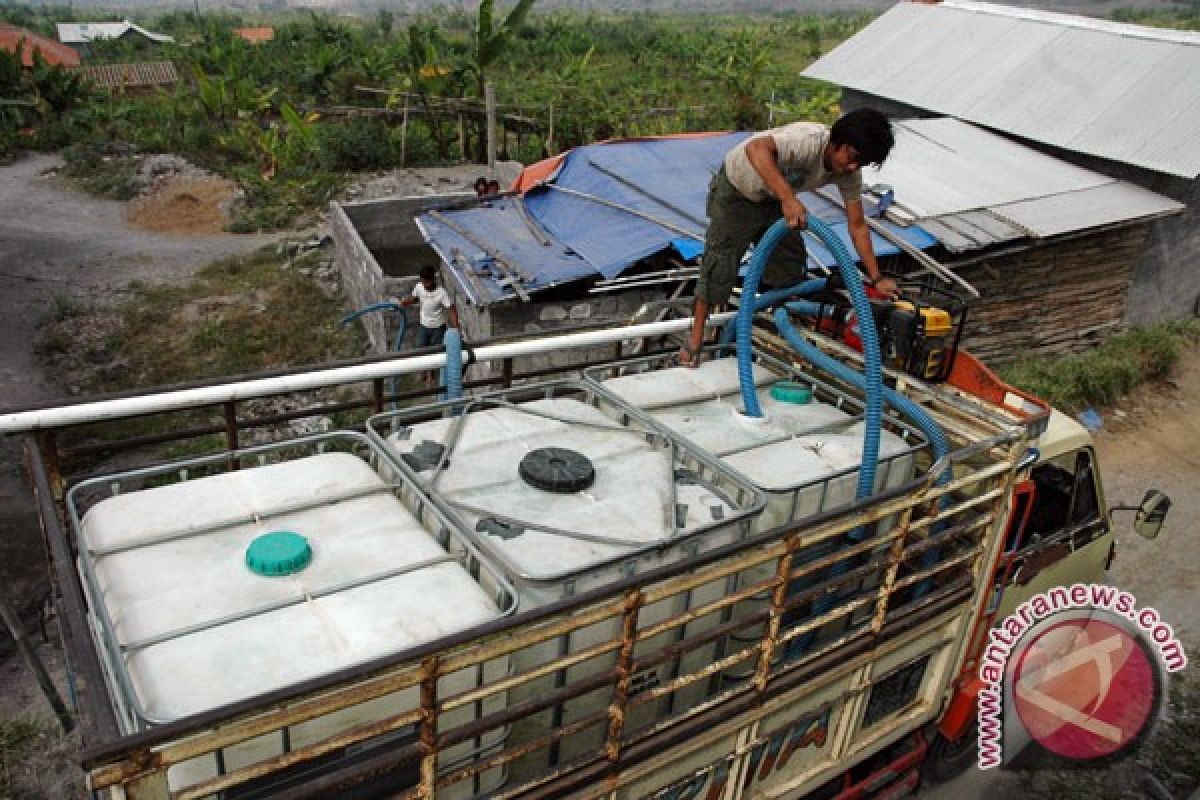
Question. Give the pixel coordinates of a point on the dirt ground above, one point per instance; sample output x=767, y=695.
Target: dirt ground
x=59, y=248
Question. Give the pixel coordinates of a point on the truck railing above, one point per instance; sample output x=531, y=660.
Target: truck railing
x=662, y=679
x=874, y=609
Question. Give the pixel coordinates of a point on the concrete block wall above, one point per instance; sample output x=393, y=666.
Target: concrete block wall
x=360, y=229
x=563, y=316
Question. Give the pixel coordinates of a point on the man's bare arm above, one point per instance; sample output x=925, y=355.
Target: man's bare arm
x=860, y=235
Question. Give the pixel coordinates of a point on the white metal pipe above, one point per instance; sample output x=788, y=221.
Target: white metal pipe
x=20, y=421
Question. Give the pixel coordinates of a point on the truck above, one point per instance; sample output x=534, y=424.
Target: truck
x=603, y=582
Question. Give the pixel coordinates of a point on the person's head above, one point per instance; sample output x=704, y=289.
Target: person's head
x=861, y=137
x=493, y=187
x=481, y=186
x=428, y=278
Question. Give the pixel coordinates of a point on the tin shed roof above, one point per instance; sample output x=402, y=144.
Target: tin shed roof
x=1122, y=92
x=132, y=76
x=970, y=188
x=82, y=32
x=597, y=210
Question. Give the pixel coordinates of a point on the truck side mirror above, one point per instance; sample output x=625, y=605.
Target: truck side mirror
x=1150, y=514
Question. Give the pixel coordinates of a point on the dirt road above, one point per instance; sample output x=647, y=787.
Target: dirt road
x=61, y=249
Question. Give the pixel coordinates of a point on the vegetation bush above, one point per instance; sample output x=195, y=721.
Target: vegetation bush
x=246, y=109
x=1102, y=376
x=356, y=145
x=101, y=170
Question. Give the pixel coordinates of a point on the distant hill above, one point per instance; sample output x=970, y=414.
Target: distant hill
x=1088, y=7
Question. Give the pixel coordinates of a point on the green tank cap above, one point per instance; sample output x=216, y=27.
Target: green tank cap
x=791, y=392
x=278, y=553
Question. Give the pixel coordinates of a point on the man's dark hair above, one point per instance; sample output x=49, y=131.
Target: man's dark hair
x=428, y=273
x=866, y=130
x=481, y=185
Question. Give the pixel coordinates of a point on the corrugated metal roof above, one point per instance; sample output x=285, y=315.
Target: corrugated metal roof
x=82, y=32
x=970, y=188
x=1122, y=92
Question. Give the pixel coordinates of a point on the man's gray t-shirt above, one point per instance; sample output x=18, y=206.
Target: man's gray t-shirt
x=801, y=159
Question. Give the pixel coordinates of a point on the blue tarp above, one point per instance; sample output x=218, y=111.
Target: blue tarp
x=662, y=185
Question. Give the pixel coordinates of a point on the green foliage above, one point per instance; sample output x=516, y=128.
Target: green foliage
x=355, y=145
x=218, y=325
x=19, y=738
x=492, y=40
x=244, y=111
x=1102, y=376
x=100, y=171
x=40, y=101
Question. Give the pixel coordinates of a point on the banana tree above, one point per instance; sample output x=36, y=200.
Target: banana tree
x=427, y=75
x=491, y=40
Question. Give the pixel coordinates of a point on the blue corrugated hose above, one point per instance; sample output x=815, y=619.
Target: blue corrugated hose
x=770, y=298
x=926, y=423
x=385, y=306
x=872, y=359
x=452, y=371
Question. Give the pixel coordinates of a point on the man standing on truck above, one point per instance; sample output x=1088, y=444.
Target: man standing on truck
x=757, y=185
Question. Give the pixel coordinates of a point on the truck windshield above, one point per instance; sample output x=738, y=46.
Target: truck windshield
x=1065, y=495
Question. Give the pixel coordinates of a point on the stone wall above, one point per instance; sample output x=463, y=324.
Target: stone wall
x=1052, y=298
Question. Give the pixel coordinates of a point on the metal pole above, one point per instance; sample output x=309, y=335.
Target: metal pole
x=621, y=179
x=39, y=670
x=489, y=101
x=81, y=413
x=610, y=204
x=404, y=136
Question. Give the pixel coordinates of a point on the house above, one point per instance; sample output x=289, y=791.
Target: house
x=132, y=78
x=609, y=231
x=255, y=35
x=1052, y=247
x=13, y=38
x=83, y=34
x=1119, y=100
x=597, y=235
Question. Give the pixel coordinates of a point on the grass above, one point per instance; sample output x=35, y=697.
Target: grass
x=240, y=315
x=19, y=738
x=1104, y=375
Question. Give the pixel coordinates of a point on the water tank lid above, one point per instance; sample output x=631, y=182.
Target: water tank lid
x=278, y=553
x=557, y=469
x=791, y=392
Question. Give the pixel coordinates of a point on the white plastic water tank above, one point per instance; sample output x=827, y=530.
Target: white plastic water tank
x=644, y=508
x=793, y=453
x=201, y=630
x=632, y=502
